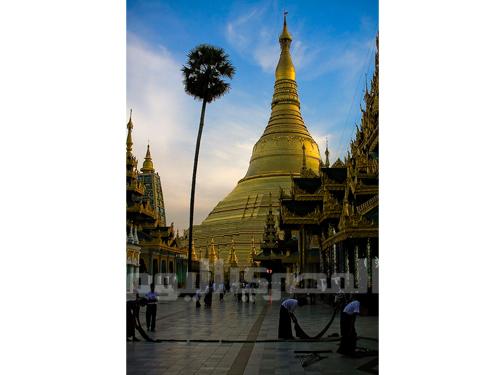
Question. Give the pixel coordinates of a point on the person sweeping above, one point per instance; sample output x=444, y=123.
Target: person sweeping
x=287, y=308
x=347, y=328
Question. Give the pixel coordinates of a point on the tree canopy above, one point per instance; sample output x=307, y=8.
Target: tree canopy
x=204, y=72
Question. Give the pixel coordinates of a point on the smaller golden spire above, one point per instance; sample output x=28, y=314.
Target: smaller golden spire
x=327, y=153
x=147, y=166
x=194, y=256
x=233, y=259
x=212, y=257
x=130, y=126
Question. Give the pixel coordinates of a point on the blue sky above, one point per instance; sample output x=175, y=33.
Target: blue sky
x=332, y=50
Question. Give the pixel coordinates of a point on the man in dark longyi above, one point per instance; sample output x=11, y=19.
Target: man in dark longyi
x=347, y=328
x=287, y=308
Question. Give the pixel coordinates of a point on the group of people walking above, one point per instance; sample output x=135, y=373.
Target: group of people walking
x=242, y=292
x=208, y=293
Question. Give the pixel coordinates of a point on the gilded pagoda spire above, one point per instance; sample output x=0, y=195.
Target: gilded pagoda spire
x=278, y=150
x=327, y=154
x=147, y=166
x=270, y=237
x=194, y=256
x=285, y=68
x=233, y=259
x=130, y=126
x=212, y=256
x=276, y=157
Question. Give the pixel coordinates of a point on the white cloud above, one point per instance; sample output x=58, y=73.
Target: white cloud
x=168, y=117
x=233, y=28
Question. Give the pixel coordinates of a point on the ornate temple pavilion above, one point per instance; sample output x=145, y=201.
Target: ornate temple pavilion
x=152, y=245
x=280, y=154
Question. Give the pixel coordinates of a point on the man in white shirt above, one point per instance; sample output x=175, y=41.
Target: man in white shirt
x=287, y=308
x=347, y=328
x=151, y=307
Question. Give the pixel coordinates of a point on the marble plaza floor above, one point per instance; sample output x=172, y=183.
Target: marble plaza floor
x=244, y=321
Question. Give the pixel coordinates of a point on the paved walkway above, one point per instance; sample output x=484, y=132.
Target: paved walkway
x=244, y=321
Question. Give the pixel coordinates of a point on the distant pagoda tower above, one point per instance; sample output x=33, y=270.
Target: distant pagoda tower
x=269, y=238
x=279, y=154
x=154, y=193
x=232, y=261
x=327, y=155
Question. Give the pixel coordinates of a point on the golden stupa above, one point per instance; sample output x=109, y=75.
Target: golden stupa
x=277, y=155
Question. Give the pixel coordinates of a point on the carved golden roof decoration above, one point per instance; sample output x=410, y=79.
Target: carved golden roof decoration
x=338, y=164
x=147, y=166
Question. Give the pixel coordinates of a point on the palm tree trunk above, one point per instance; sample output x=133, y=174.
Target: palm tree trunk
x=193, y=184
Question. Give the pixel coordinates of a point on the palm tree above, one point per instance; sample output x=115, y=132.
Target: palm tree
x=203, y=78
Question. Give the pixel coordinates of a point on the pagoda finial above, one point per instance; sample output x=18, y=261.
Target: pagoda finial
x=147, y=166
x=327, y=154
x=285, y=68
x=285, y=34
x=130, y=126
